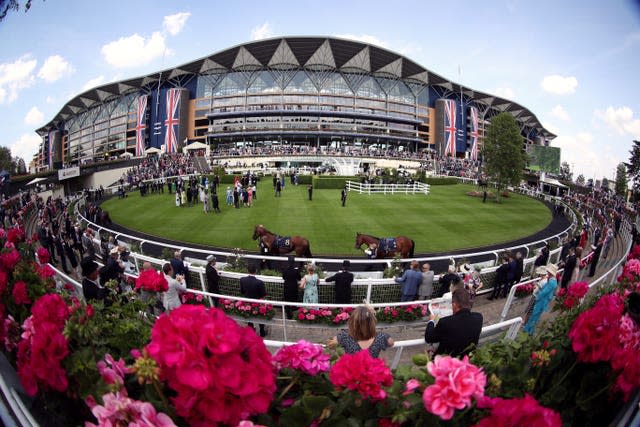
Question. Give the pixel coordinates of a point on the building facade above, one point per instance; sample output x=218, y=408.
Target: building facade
x=314, y=91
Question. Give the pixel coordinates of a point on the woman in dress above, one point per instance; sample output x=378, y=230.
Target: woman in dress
x=171, y=298
x=471, y=279
x=362, y=334
x=310, y=285
x=543, y=294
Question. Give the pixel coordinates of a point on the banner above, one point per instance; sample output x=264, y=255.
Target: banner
x=475, y=134
x=450, y=127
x=172, y=122
x=68, y=173
x=141, y=125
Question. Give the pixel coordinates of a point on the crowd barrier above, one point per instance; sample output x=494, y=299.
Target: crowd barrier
x=369, y=188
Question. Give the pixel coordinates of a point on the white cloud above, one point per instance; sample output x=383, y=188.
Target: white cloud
x=173, y=24
x=26, y=146
x=551, y=127
x=504, y=92
x=621, y=120
x=54, y=68
x=559, y=85
x=135, y=50
x=93, y=83
x=50, y=99
x=365, y=38
x=560, y=113
x=586, y=156
x=16, y=76
x=34, y=117
x=260, y=32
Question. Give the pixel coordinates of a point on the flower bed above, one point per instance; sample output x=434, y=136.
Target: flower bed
x=247, y=309
x=197, y=366
x=329, y=316
x=405, y=313
x=523, y=291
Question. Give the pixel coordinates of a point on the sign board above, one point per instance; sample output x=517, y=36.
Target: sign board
x=68, y=173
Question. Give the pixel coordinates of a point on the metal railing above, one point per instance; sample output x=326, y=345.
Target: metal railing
x=369, y=188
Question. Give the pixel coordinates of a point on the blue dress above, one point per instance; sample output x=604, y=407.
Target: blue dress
x=543, y=297
x=310, y=289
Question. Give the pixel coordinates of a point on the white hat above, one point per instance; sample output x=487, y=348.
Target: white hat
x=552, y=269
x=210, y=257
x=465, y=268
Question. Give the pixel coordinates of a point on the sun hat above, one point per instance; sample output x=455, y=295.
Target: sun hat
x=552, y=269
x=210, y=257
x=541, y=271
x=465, y=268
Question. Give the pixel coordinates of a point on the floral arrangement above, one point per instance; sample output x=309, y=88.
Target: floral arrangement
x=191, y=298
x=329, y=316
x=570, y=297
x=524, y=290
x=197, y=366
x=405, y=313
x=152, y=281
x=247, y=309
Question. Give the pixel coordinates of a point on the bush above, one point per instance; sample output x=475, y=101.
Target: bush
x=440, y=181
x=332, y=182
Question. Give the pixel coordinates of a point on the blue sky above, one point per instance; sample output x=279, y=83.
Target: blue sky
x=575, y=64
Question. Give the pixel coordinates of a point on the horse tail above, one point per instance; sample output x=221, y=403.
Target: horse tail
x=413, y=245
x=307, y=251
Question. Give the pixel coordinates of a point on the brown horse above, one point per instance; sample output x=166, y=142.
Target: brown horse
x=280, y=245
x=387, y=248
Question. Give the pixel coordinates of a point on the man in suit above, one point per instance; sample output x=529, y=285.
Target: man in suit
x=213, y=278
x=500, y=282
x=343, y=279
x=343, y=196
x=568, y=265
x=252, y=287
x=291, y=277
x=91, y=289
x=178, y=266
x=411, y=280
x=460, y=331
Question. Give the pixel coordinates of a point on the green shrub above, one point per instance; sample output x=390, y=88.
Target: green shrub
x=440, y=181
x=332, y=182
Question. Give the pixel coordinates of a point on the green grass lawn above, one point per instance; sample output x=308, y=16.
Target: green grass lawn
x=444, y=220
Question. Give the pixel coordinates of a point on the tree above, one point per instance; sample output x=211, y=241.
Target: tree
x=6, y=161
x=21, y=167
x=633, y=167
x=12, y=5
x=503, y=154
x=580, y=180
x=621, y=180
x=605, y=184
x=565, y=172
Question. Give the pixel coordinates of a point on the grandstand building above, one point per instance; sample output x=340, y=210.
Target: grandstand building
x=313, y=91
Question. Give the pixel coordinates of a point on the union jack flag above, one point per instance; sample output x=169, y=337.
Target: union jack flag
x=51, y=148
x=475, y=135
x=172, y=123
x=450, y=127
x=141, y=125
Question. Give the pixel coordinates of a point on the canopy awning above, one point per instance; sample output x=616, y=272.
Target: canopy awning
x=36, y=180
x=152, y=150
x=553, y=182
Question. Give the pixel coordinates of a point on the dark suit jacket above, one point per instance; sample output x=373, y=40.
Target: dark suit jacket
x=455, y=333
x=213, y=279
x=343, y=281
x=92, y=291
x=501, y=276
x=252, y=287
x=291, y=276
x=178, y=267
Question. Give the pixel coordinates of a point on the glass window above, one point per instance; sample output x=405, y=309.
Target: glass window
x=263, y=83
x=232, y=84
x=335, y=84
x=371, y=89
x=300, y=84
x=400, y=92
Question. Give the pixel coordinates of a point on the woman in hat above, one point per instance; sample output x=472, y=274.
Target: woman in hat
x=543, y=294
x=471, y=279
x=310, y=285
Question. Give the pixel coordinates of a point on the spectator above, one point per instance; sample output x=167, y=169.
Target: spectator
x=543, y=294
x=426, y=287
x=445, y=281
x=362, y=334
x=411, y=280
x=291, y=277
x=458, y=333
x=252, y=287
x=177, y=286
x=91, y=289
x=310, y=285
x=343, y=279
x=213, y=278
x=500, y=280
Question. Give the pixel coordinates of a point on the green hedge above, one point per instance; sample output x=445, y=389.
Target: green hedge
x=332, y=182
x=440, y=181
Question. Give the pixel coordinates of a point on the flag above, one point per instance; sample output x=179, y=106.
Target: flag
x=474, y=133
x=141, y=125
x=172, y=123
x=450, y=127
x=51, y=148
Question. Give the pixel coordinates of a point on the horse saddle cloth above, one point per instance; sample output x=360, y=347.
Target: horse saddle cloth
x=387, y=245
x=282, y=242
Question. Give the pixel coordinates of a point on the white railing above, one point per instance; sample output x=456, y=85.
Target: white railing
x=369, y=188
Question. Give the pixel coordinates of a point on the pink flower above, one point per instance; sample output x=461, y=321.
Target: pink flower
x=410, y=386
x=456, y=382
x=574, y=294
x=118, y=409
x=525, y=411
x=9, y=259
x=43, y=255
x=112, y=371
x=303, y=356
x=246, y=423
x=362, y=373
x=20, y=293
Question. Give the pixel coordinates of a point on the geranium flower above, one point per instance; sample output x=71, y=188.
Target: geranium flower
x=525, y=411
x=595, y=331
x=15, y=235
x=303, y=356
x=9, y=259
x=120, y=410
x=43, y=255
x=20, y=294
x=362, y=373
x=573, y=295
x=220, y=372
x=410, y=386
x=456, y=382
x=112, y=371
x=152, y=281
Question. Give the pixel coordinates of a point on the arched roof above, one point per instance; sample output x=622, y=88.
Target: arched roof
x=288, y=53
